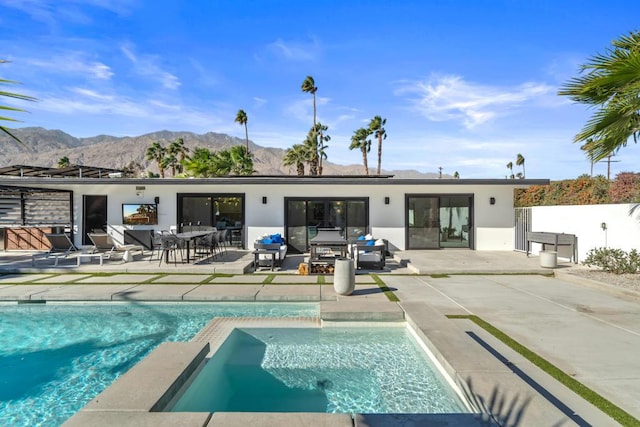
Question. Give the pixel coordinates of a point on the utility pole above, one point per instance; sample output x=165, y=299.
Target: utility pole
x=609, y=166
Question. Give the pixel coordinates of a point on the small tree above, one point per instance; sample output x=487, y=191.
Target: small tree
x=64, y=163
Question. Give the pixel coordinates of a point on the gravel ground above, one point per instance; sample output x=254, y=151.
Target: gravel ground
x=626, y=281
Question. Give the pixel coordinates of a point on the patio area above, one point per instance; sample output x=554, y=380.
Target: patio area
x=239, y=261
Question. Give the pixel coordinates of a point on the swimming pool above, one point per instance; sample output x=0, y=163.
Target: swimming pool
x=372, y=370
x=54, y=358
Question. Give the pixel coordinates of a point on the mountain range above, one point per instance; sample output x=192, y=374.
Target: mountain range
x=44, y=147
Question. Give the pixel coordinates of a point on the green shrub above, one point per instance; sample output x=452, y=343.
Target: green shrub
x=614, y=260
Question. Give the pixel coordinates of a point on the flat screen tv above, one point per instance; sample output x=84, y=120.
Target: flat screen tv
x=139, y=213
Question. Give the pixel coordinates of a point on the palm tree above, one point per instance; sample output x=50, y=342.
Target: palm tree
x=510, y=167
x=322, y=138
x=520, y=162
x=241, y=118
x=6, y=108
x=169, y=161
x=296, y=155
x=311, y=146
x=359, y=140
x=585, y=148
x=241, y=160
x=178, y=151
x=609, y=82
x=377, y=127
x=200, y=163
x=64, y=162
x=309, y=86
x=156, y=152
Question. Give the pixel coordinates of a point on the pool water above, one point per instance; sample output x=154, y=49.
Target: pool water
x=54, y=358
x=334, y=370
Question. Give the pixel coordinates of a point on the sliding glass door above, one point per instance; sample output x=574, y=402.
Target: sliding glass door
x=439, y=221
x=305, y=216
x=223, y=211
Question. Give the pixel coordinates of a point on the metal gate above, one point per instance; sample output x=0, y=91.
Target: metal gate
x=522, y=226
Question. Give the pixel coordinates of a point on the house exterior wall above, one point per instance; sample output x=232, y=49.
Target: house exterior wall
x=622, y=226
x=493, y=225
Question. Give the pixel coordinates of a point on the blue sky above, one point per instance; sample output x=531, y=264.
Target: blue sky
x=464, y=85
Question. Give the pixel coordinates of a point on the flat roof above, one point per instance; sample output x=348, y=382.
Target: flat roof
x=280, y=180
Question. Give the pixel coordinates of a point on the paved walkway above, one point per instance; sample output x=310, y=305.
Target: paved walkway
x=588, y=333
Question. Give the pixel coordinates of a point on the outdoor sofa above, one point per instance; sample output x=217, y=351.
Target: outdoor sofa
x=268, y=249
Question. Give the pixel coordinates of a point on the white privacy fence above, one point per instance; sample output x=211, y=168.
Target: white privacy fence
x=614, y=226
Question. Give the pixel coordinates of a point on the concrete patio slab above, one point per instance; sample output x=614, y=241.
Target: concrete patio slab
x=21, y=278
x=24, y=292
x=251, y=278
x=289, y=293
x=154, y=293
x=182, y=278
x=360, y=279
x=119, y=278
x=223, y=293
x=328, y=293
x=270, y=419
x=294, y=278
x=138, y=419
x=369, y=292
x=358, y=310
x=83, y=292
x=63, y=278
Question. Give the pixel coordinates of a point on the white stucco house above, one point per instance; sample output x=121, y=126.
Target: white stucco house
x=409, y=213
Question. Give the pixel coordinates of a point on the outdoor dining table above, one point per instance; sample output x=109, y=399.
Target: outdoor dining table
x=188, y=236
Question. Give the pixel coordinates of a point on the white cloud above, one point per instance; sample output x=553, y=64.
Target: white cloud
x=295, y=51
x=258, y=102
x=74, y=63
x=442, y=98
x=53, y=12
x=146, y=66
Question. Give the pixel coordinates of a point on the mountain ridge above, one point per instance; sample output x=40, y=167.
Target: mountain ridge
x=44, y=147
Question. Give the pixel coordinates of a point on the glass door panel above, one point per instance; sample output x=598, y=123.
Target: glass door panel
x=423, y=223
x=196, y=212
x=315, y=218
x=356, y=219
x=94, y=216
x=454, y=222
x=228, y=212
x=297, y=225
x=337, y=215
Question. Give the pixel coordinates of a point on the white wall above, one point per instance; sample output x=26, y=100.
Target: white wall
x=623, y=227
x=492, y=226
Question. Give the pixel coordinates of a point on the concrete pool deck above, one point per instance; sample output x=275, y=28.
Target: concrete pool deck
x=590, y=333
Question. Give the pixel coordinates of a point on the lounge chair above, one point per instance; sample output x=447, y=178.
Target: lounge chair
x=60, y=247
x=103, y=243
